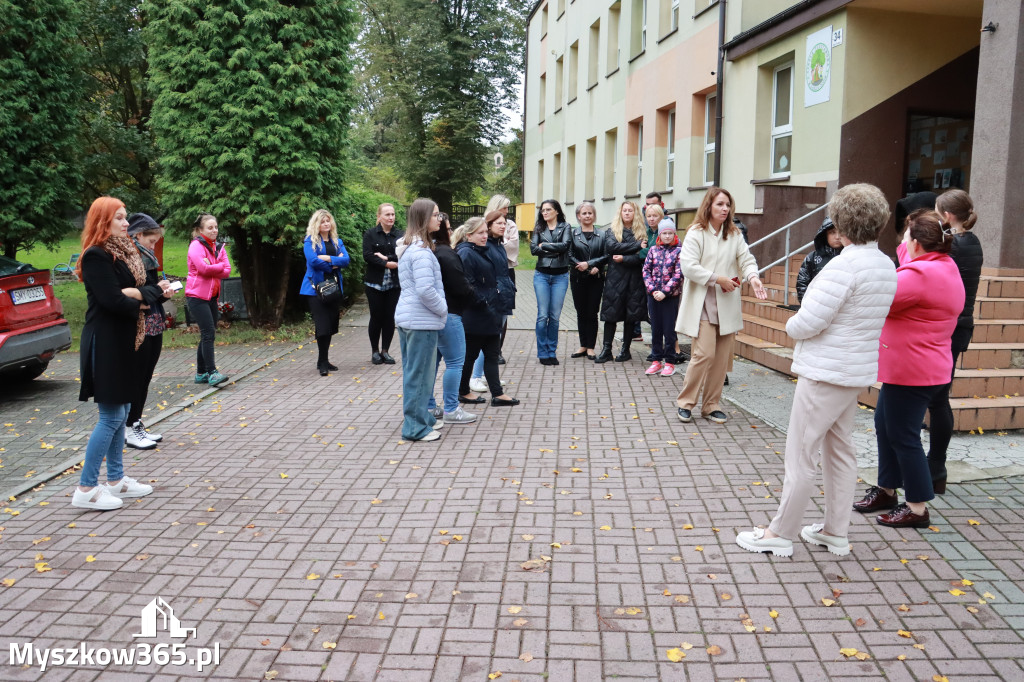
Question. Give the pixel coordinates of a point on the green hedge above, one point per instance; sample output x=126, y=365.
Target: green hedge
x=357, y=214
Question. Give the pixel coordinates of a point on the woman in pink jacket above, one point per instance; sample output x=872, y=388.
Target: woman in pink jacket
x=914, y=363
x=207, y=265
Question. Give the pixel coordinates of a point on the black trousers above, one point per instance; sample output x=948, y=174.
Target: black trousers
x=145, y=359
x=940, y=428
x=382, y=317
x=491, y=346
x=586, y=298
x=205, y=314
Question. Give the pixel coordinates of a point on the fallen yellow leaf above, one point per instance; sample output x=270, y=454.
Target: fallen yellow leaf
x=973, y=522
x=605, y=528
x=281, y=475
x=773, y=613
x=687, y=526
x=497, y=673
x=8, y=582
x=675, y=655
x=330, y=645
x=904, y=633
x=957, y=593
x=828, y=602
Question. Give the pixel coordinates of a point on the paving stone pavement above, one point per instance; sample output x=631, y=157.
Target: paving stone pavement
x=295, y=530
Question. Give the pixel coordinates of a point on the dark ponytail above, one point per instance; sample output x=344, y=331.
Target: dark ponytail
x=926, y=227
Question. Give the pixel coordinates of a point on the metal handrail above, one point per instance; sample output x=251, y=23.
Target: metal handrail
x=789, y=254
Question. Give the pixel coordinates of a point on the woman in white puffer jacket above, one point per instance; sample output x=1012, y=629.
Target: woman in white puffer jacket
x=836, y=357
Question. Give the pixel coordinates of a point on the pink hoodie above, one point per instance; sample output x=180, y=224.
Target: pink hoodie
x=915, y=347
x=203, y=278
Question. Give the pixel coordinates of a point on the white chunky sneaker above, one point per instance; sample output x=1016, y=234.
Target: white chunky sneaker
x=755, y=541
x=135, y=437
x=478, y=385
x=155, y=437
x=433, y=435
x=129, y=487
x=814, y=535
x=98, y=498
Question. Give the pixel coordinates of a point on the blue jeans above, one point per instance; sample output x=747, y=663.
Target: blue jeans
x=419, y=361
x=550, y=290
x=451, y=346
x=478, y=364
x=107, y=440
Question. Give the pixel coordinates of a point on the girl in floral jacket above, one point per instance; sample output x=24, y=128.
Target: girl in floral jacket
x=663, y=278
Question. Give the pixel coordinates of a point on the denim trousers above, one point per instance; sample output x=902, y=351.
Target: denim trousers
x=106, y=440
x=205, y=314
x=550, y=291
x=901, y=459
x=451, y=347
x=478, y=364
x=663, y=326
x=419, y=362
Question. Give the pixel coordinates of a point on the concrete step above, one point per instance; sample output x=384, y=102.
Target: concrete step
x=1001, y=308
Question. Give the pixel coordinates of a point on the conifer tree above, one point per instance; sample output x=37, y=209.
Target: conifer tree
x=40, y=93
x=250, y=116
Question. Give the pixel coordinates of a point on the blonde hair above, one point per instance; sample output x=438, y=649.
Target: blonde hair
x=380, y=210
x=654, y=208
x=498, y=202
x=638, y=227
x=467, y=228
x=313, y=229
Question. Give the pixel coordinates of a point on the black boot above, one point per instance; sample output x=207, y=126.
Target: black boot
x=606, y=353
x=624, y=354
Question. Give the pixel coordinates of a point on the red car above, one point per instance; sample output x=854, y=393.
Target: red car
x=32, y=324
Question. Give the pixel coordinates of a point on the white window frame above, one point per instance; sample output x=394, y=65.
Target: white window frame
x=675, y=15
x=640, y=157
x=643, y=28
x=710, y=103
x=783, y=131
x=670, y=158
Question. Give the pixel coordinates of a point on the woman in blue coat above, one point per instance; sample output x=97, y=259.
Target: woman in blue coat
x=325, y=256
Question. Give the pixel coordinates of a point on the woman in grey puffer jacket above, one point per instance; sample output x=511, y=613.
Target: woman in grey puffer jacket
x=420, y=315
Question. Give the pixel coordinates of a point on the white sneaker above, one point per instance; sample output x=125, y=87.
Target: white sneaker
x=98, y=498
x=439, y=424
x=129, y=487
x=459, y=416
x=135, y=437
x=755, y=541
x=836, y=545
x=433, y=435
x=155, y=437
x=478, y=385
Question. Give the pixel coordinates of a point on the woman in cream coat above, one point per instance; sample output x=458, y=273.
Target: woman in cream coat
x=715, y=259
x=836, y=357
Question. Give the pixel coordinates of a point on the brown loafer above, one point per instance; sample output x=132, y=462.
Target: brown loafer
x=902, y=517
x=875, y=499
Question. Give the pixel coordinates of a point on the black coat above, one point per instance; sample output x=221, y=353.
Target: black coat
x=376, y=240
x=108, y=337
x=592, y=252
x=816, y=260
x=967, y=255
x=458, y=294
x=551, y=246
x=625, y=297
x=483, y=318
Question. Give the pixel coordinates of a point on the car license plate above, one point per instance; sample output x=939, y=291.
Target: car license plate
x=28, y=295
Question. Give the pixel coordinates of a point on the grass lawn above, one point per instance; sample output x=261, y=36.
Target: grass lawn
x=72, y=296
x=527, y=261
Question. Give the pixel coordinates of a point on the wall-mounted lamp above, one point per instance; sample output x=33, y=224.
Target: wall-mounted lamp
x=990, y=28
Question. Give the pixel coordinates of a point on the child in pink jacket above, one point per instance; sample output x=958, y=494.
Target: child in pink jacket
x=207, y=265
x=663, y=278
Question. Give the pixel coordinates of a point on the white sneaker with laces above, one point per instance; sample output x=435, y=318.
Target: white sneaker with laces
x=98, y=498
x=814, y=535
x=155, y=437
x=478, y=385
x=755, y=541
x=135, y=437
x=433, y=435
x=129, y=487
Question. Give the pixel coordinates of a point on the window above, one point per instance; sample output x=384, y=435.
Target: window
x=570, y=174
x=674, y=23
x=782, y=120
x=574, y=67
x=709, y=138
x=544, y=21
x=591, y=168
x=541, y=96
x=561, y=8
x=559, y=74
x=556, y=177
x=540, y=180
x=638, y=39
x=640, y=158
x=612, y=60
x=670, y=160
x=668, y=16
x=700, y=5
x=595, y=38
x=611, y=161
x=635, y=151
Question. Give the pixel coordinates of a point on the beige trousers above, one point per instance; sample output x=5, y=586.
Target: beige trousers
x=820, y=429
x=705, y=375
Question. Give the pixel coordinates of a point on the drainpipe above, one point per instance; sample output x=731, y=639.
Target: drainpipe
x=719, y=93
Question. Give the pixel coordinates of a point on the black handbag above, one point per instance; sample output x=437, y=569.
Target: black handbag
x=328, y=291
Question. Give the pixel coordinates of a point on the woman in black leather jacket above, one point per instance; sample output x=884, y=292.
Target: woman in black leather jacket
x=625, y=296
x=550, y=243
x=587, y=258
x=958, y=217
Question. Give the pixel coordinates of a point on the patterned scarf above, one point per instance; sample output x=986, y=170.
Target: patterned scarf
x=124, y=248
x=149, y=260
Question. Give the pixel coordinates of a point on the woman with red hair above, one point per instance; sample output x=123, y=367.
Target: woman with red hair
x=112, y=271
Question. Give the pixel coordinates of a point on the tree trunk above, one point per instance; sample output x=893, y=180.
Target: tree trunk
x=264, y=269
x=443, y=199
